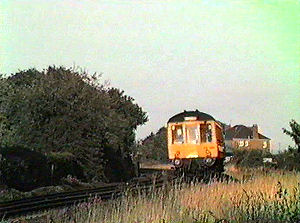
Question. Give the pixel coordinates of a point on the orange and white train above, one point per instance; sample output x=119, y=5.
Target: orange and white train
x=195, y=139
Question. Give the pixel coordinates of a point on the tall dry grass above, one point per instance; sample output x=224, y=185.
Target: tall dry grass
x=273, y=197
x=264, y=197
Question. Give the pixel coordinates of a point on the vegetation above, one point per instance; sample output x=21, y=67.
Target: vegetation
x=286, y=160
x=294, y=133
x=249, y=158
x=70, y=117
x=289, y=159
x=23, y=169
x=154, y=147
x=277, y=199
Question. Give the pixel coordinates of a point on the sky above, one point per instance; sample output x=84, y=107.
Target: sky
x=238, y=61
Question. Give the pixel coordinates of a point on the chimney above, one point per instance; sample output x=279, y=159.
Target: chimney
x=255, y=131
x=226, y=127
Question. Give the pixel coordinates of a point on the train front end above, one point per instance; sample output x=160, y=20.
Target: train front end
x=197, y=137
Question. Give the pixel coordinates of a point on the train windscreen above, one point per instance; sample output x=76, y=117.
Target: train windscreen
x=192, y=133
x=177, y=134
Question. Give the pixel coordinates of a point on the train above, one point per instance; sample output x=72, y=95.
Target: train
x=196, y=142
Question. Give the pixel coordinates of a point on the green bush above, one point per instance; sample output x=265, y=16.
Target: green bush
x=249, y=158
x=62, y=165
x=154, y=147
x=23, y=169
x=118, y=167
x=288, y=160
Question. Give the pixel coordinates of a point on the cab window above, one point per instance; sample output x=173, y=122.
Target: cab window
x=192, y=133
x=177, y=134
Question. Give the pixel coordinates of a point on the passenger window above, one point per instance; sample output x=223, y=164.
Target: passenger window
x=206, y=133
x=219, y=135
x=177, y=134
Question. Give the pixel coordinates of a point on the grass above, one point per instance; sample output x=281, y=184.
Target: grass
x=263, y=197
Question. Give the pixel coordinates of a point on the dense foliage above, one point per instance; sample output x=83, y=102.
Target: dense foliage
x=154, y=146
x=61, y=165
x=249, y=158
x=289, y=159
x=23, y=169
x=61, y=110
x=294, y=133
x=286, y=160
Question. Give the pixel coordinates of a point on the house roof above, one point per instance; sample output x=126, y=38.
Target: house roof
x=241, y=132
x=201, y=116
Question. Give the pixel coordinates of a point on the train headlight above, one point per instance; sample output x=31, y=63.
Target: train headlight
x=208, y=153
x=209, y=161
x=177, y=162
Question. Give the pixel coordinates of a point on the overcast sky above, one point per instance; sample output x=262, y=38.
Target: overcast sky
x=236, y=60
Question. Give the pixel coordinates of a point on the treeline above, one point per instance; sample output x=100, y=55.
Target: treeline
x=60, y=122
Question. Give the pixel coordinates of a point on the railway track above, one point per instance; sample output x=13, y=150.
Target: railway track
x=27, y=206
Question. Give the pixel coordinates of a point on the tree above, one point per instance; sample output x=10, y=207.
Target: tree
x=294, y=133
x=154, y=146
x=62, y=110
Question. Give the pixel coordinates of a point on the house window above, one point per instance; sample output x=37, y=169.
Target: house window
x=241, y=143
x=265, y=145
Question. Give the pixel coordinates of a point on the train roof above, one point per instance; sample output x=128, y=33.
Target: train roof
x=201, y=116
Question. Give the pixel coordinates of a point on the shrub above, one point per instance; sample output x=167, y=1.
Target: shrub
x=62, y=165
x=118, y=167
x=294, y=133
x=23, y=169
x=154, y=147
x=288, y=160
x=249, y=158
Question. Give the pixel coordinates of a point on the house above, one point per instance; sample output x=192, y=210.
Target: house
x=241, y=136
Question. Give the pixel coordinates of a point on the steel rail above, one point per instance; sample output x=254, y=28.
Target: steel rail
x=59, y=194
x=26, y=206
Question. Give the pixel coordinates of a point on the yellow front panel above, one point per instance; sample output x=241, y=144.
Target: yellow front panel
x=183, y=150
x=186, y=151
